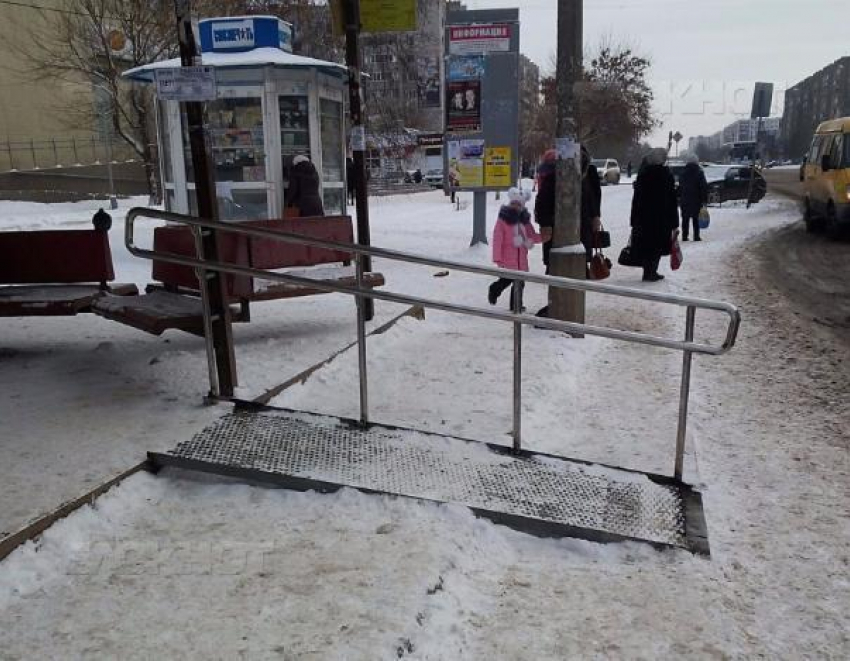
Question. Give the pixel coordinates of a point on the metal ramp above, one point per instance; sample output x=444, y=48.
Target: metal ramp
x=540, y=494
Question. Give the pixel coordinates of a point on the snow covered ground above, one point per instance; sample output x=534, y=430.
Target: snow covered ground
x=180, y=564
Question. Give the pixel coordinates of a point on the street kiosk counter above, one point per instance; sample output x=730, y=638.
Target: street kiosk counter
x=270, y=105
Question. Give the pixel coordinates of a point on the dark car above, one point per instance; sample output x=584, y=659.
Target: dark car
x=727, y=183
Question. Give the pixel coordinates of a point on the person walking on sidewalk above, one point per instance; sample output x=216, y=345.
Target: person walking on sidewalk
x=513, y=237
x=655, y=213
x=693, y=196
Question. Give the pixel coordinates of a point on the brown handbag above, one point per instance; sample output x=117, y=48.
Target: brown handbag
x=600, y=265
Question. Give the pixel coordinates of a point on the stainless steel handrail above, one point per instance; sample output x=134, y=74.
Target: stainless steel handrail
x=516, y=317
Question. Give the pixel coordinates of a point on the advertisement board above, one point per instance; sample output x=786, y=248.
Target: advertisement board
x=469, y=67
x=388, y=15
x=482, y=99
x=466, y=163
x=463, y=105
x=472, y=39
x=497, y=167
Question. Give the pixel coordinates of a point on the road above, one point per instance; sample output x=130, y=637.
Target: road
x=812, y=271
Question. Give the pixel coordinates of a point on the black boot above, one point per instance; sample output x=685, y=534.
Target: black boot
x=492, y=294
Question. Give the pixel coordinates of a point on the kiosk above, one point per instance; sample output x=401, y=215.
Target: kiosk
x=271, y=105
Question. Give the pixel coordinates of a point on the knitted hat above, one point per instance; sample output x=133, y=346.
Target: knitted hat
x=518, y=195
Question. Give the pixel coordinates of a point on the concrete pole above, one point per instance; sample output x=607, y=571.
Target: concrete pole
x=567, y=258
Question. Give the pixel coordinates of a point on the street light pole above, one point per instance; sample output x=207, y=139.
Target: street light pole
x=567, y=257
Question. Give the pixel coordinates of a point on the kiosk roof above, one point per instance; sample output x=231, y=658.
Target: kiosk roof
x=258, y=57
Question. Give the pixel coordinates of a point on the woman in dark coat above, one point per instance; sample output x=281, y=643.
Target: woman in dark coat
x=655, y=213
x=544, y=204
x=693, y=196
x=303, y=192
x=591, y=203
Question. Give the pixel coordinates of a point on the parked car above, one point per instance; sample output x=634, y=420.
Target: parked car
x=826, y=178
x=727, y=183
x=434, y=178
x=413, y=176
x=608, y=169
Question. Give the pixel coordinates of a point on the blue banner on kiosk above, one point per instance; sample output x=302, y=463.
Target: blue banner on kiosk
x=235, y=34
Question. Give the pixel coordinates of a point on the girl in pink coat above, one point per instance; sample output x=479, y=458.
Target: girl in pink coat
x=513, y=236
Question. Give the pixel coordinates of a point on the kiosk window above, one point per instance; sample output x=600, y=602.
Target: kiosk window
x=294, y=130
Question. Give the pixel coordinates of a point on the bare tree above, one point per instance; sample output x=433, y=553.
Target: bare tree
x=313, y=33
x=615, y=102
x=89, y=44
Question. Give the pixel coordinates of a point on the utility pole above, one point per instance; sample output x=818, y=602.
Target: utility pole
x=567, y=257
x=358, y=136
x=213, y=283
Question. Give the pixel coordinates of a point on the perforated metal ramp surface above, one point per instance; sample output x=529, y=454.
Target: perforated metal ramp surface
x=540, y=494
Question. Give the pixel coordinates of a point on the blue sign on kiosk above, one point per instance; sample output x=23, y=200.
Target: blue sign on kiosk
x=243, y=33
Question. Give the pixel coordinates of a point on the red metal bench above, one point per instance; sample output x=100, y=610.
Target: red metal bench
x=172, y=302
x=55, y=272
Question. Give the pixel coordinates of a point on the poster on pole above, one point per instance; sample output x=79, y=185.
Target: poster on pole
x=497, y=167
x=463, y=104
x=466, y=163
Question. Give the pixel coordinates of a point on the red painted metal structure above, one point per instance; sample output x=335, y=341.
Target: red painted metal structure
x=55, y=272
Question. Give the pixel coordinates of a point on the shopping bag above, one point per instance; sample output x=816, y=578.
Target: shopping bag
x=676, y=256
x=704, y=218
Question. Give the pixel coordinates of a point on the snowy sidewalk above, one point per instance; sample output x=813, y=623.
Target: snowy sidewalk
x=184, y=564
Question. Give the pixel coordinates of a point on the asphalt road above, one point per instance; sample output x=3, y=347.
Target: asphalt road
x=811, y=270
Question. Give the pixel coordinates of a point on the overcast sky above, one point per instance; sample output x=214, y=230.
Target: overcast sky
x=706, y=54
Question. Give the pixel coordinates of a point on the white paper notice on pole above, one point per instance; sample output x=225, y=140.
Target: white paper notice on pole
x=186, y=84
x=358, y=138
x=567, y=148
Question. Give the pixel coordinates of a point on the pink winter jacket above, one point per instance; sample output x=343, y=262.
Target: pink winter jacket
x=506, y=254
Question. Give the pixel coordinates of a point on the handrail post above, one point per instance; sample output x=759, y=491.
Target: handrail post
x=361, y=342
x=205, y=306
x=516, y=300
x=687, y=359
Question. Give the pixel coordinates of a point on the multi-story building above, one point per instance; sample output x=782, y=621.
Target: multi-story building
x=717, y=145
x=822, y=96
x=710, y=142
x=404, y=73
x=745, y=130
x=403, y=88
x=529, y=105
x=34, y=112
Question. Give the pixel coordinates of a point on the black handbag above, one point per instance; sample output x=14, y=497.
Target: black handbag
x=628, y=256
x=602, y=239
